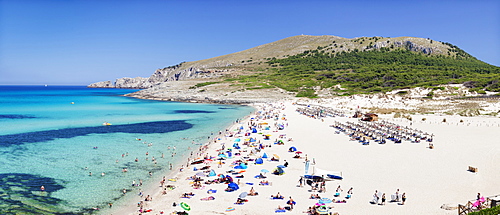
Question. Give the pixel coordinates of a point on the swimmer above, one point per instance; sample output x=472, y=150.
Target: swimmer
x=42, y=188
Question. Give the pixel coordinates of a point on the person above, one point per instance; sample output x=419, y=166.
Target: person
x=277, y=196
x=339, y=189
x=291, y=203
x=42, y=188
x=478, y=196
x=383, y=199
x=376, y=197
x=397, y=195
x=300, y=181
x=286, y=163
x=252, y=192
x=403, y=197
x=349, y=193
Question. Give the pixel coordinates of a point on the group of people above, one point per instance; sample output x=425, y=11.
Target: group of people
x=377, y=196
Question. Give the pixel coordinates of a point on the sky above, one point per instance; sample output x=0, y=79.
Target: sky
x=78, y=42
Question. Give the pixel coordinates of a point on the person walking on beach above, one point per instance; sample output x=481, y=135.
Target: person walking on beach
x=375, y=197
x=397, y=195
x=383, y=199
x=300, y=181
x=403, y=197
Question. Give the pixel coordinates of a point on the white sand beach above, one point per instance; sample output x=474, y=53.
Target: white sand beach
x=430, y=178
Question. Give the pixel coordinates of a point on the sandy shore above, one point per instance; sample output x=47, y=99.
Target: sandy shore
x=428, y=177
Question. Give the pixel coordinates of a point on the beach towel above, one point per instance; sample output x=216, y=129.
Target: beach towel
x=280, y=211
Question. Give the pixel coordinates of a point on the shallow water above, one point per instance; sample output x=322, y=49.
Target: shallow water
x=54, y=136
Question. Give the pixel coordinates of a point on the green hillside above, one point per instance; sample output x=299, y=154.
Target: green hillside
x=373, y=70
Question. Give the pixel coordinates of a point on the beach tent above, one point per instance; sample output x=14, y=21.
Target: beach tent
x=278, y=171
x=233, y=186
x=254, y=130
x=292, y=149
x=212, y=173
x=259, y=161
x=264, y=155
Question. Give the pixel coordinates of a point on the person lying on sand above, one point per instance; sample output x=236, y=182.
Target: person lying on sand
x=240, y=201
x=277, y=196
x=208, y=198
x=315, y=196
x=264, y=182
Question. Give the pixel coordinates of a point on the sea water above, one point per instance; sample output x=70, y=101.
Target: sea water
x=77, y=142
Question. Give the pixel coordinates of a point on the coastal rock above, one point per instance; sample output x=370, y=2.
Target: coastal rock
x=102, y=84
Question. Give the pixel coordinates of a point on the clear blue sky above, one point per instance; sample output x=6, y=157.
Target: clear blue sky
x=85, y=41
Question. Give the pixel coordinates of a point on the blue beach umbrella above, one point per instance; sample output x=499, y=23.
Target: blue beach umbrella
x=264, y=155
x=325, y=201
x=264, y=170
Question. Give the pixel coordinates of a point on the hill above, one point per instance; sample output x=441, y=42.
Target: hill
x=312, y=65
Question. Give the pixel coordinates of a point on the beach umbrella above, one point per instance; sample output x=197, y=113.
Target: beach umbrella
x=264, y=155
x=325, y=201
x=299, y=152
x=292, y=149
x=276, y=156
x=185, y=206
x=259, y=161
x=222, y=155
x=243, y=195
x=264, y=170
x=229, y=209
x=237, y=140
x=281, y=166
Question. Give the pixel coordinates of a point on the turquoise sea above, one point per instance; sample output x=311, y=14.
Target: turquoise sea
x=54, y=137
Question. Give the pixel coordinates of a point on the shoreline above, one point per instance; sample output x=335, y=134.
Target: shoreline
x=129, y=206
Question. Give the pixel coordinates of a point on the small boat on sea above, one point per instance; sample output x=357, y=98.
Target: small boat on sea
x=106, y=123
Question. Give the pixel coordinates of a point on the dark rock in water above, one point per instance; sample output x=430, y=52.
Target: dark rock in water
x=21, y=194
x=15, y=116
x=137, y=128
x=193, y=111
